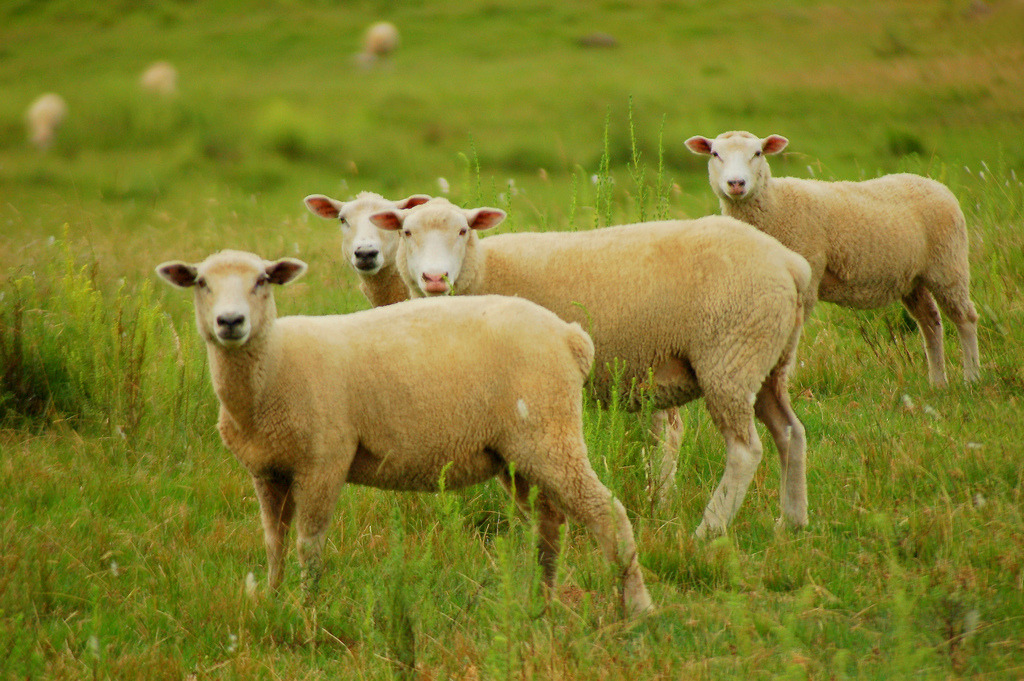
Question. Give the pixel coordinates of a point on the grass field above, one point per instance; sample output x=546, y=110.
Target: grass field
x=127, y=531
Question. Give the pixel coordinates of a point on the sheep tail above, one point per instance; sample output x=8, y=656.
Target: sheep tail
x=582, y=348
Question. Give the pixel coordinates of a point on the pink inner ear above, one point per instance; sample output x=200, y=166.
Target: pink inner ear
x=486, y=218
x=699, y=145
x=322, y=206
x=387, y=219
x=413, y=201
x=773, y=144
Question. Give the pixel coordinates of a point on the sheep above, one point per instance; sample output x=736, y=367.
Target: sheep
x=379, y=41
x=371, y=251
x=43, y=117
x=676, y=309
x=411, y=396
x=897, y=237
x=160, y=78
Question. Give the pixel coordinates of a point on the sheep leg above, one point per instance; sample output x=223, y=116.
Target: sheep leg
x=576, y=489
x=548, y=527
x=921, y=306
x=774, y=410
x=315, y=498
x=955, y=301
x=277, y=506
x=667, y=431
x=735, y=420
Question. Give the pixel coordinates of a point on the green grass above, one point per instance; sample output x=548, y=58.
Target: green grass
x=127, y=531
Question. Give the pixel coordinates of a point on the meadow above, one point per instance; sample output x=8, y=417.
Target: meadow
x=127, y=531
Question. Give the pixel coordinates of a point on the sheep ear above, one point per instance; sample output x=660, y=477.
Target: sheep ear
x=484, y=218
x=412, y=201
x=390, y=220
x=773, y=144
x=285, y=270
x=177, y=273
x=324, y=206
x=699, y=145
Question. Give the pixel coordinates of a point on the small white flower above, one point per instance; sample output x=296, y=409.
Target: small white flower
x=232, y=643
x=979, y=500
x=974, y=445
x=93, y=645
x=908, y=403
x=442, y=185
x=250, y=585
x=931, y=411
x=810, y=171
x=114, y=569
x=51, y=241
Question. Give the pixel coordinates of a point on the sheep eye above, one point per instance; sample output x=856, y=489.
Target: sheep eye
x=201, y=283
x=406, y=233
x=261, y=280
x=715, y=154
x=462, y=232
x=343, y=221
x=757, y=153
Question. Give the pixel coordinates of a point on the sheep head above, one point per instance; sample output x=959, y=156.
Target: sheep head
x=737, y=167
x=234, y=303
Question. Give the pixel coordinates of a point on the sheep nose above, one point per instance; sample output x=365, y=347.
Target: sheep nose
x=737, y=184
x=434, y=278
x=366, y=252
x=230, y=320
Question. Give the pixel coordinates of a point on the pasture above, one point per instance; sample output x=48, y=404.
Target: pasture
x=128, y=532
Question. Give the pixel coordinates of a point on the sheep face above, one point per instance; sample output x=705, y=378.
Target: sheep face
x=365, y=247
x=737, y=167
x=233, y=300
x=435, y=238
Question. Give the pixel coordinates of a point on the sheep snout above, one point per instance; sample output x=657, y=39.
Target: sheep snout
x=367, y=259
x=434, y=283
x=736, y=187
x=232, y=328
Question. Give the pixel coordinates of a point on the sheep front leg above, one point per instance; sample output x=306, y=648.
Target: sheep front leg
x=667, y=431
x=316, y=495
x=277, y=506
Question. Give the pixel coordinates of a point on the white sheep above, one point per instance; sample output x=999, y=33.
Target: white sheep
x=869, y=244
x=399, y=397
x=43, y=117
x=160, y=78
x=379, y=42
x=370, y=251
x=676, y=309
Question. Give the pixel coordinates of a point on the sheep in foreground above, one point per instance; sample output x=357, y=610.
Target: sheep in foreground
x=379, y=42
x=897, y=237
x=160, y=78
x=398, y=398
x=371, y=251
x=676, y=309
x=43, y=117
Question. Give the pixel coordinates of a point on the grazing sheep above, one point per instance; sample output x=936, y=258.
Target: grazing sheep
x=43, y=117
x=869, y=244
x=398, y=398
x=371, y=251
x=676, y=309
x=160, y=78
x=379, y=42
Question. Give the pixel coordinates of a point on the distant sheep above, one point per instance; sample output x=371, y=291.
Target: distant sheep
x=379, y=42
x=400, y=398
x=44, y=117
x=676, y=309
x=160, y=78
x=869, y=244
x=371, y=251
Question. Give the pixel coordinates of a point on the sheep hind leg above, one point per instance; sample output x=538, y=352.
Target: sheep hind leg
x=775, y=411
x=573, y=486
x=549, y=524
x=667, y=432
x=277, y=507
x=956, y=303
x=735, y=419
x=921, y=306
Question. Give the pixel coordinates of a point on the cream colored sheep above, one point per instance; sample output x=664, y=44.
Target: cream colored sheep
x=897, y=237
x=371, y=251
x=379, y=42
x=43, y=117
x=396, y=398
x=160, y=78
x=676, y=309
